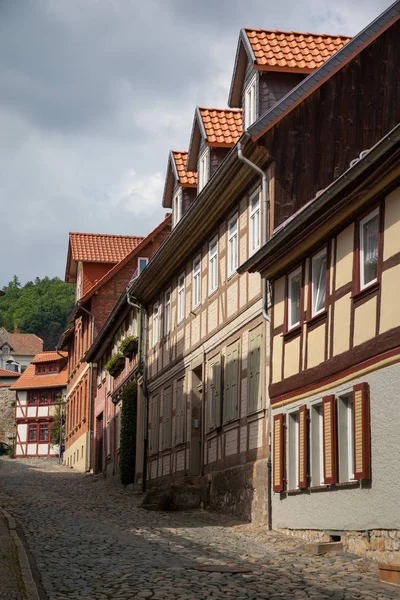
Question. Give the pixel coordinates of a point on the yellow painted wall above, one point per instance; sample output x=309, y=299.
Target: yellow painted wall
x=344, y=256
x=341, y=330
x=365, y=322
x=390, y=313
x=316, y=346
x=80, y=455
x=277, y=360
x=279, y=301
x=391, y=244
x=292, y=357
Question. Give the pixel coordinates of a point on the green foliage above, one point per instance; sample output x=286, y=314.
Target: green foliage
x=113, y=361
x=126, y=343
x=41, y=307
x=58, y=427
x=127, y=445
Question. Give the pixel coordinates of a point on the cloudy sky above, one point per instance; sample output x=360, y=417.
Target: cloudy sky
x=94, y=93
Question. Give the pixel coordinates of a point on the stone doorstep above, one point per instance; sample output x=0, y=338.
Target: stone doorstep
x=323, y=547
x=389, y=574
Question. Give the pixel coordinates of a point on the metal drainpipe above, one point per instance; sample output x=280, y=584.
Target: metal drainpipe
x=265, y=214
x=90, y=432
x=142, y=335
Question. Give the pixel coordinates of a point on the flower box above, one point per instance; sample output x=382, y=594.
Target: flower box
x=129, y=346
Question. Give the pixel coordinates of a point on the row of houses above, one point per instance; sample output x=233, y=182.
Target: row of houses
x=259, y=318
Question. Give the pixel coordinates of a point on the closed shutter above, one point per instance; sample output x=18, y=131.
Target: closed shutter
x=154, y=425
x=227, y=408
x=361, y=431
x=180, y=413
x=234, y=372
x=278, y=453
x=303, y=446
x=329, y=437
x=167, y=418
x=254, y=369
x=214, y=393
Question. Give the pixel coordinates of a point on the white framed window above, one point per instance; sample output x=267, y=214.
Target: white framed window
x=346, y=438
x=232, y=245
x=142, y=263
x=156, y=321
x=181, y=297
x=177, y=208
x=293, y=299
x=250, y=103
x=213, y=265
x=196, y=282
x=167, y=312
x=317, y=446
x=369, y=235
x=203, y=169
x=293, y=450
x=318, y=283
x=255, y=222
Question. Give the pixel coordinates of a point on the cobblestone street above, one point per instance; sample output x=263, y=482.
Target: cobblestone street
x=91, y=540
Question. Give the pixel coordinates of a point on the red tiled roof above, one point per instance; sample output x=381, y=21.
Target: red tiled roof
x=48, y=357
x=8, y=373
x=223, y=127
x=99, y=247
x=30, y=380
x=25, y=344
x=291, y=50
x=185, y=178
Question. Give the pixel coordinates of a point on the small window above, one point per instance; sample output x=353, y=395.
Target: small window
x=142, y=263
x=43, y=433
x=31, y=398
x=156, y=317
x=369, y=233
x=317, y=445
x=167, y=312
x=177, y=208
x=318, y=283
x=6, y=349
x=255, y=222
x=232, y=245
x=181, y=298
x=250, y=103
x=203, y=170
x=196, y=282
x=346, y=438
x=32, y=434
x=294, y=295
x=213, y=265
x=43, y=397
x=293, y=450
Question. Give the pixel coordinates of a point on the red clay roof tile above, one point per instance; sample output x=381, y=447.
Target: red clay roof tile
x=29, y=379
x=48, y=357
x=7, y=373
x=292, y=50
x=185, y=178
x=25, y=344
x=99, y=247
x=223, y=127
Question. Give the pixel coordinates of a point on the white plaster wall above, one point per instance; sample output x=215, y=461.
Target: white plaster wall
x=22, y=398
x=377, y=507
x=22, y=429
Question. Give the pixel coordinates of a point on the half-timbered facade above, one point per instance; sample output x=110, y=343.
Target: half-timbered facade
x=39, y=390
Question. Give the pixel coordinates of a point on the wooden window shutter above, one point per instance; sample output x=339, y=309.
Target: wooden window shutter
x=254, y=369
x=179, y=413
x=250, y=366
x=217, y=393
x=234, y=372
x=361, y=431
x=329, y=437
x=278, y=453
x=303, y=446
x=227, y=409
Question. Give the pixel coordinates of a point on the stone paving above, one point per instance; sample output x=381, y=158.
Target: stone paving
x=11, y=584
x=91, y=541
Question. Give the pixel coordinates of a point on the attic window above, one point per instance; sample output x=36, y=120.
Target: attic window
x=250, y=104
x=177, y=207
x=6, y=349
x=203, y=170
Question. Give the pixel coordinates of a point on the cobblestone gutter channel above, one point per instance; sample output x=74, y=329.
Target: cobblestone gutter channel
x=91, y=541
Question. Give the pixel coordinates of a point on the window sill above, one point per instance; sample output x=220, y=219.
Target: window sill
x=296, y=491
x=232, y=275
x=292, y=333
x=195, y=309
x=231, y=424
x=210, y=294
x=255, y=414
x=317, y=319
x=366, y=292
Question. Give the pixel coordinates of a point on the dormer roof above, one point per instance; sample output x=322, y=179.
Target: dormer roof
x=218, y=127
x=97, y=248
x=177, y=174
x=282, y=51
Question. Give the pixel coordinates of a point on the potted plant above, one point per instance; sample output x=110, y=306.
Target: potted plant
x=129, y=346
x=115, y=365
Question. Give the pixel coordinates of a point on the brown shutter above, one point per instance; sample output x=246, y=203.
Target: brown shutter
x=303, y=446
x=234, y=381
x=227, y=385
x=217, y=393
x=279, y=453
x=329, y=436
x=361, y=431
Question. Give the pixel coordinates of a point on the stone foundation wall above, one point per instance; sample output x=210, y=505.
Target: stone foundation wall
x=240, y=491
x=7, y=415
x=381, y=545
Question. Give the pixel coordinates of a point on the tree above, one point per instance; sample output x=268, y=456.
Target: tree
x=41, y=307
x=127, y=444
x=58, y=426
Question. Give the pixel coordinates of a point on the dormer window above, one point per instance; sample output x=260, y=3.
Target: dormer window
x=5, y=349
x=177, y=208
x=250, y=103
x=203, y=170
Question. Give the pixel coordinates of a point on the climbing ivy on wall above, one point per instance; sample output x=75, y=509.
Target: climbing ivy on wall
x=127, y=446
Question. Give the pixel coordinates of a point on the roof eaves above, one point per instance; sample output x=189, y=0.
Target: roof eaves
x=192, y=152
x=338, y=59
x=243, y=42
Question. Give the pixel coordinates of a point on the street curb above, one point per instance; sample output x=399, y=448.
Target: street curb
x=26, y=573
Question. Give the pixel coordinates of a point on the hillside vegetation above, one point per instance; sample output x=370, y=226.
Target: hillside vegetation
x=41, y=307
